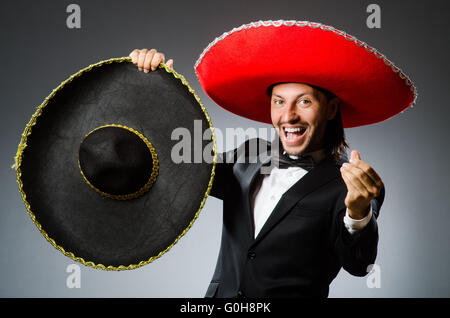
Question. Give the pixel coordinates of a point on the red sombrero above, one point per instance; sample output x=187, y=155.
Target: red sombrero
x=237, y=67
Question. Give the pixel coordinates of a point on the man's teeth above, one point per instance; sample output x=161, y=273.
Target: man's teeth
x=296, y=129
x=294, y=132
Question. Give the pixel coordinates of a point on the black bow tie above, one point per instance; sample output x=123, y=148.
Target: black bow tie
x=305, y=162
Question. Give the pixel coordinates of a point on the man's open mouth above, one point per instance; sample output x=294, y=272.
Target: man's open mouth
x=293, y=134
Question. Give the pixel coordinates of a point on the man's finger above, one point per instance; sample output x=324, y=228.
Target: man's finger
x=360, y=180
x=148, y=60
x=352, y=191
x=361, y=174
x=355, y=159
x=158, y=58
x=369, y=171
x=134, y=55
x=170, y=63
x=141, y=58
x=354, y=156
x=348, y=182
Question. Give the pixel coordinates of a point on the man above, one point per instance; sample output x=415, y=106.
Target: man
x=288, y=233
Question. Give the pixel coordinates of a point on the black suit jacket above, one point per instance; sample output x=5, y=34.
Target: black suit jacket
x=304, y=242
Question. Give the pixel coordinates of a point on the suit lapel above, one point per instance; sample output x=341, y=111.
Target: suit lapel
x=249, y=177
x=324, y=172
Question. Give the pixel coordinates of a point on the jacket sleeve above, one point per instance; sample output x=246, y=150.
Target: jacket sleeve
x=359, y=250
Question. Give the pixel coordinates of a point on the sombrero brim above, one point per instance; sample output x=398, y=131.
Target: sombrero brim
x=90, y=228
x=237, y=67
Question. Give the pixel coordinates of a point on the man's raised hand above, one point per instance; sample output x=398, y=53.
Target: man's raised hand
x=147, y=60
x=363, y=185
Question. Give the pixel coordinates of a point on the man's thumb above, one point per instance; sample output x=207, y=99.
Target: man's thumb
x=355, y=155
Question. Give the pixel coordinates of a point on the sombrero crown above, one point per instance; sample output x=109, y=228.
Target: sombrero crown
x=236, y=69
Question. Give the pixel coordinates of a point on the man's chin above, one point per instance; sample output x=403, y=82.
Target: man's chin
x=294, y=150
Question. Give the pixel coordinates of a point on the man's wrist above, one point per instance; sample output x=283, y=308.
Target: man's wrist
x=354, y=225
x=356, y=215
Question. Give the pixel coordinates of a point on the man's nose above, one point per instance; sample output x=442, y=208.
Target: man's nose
x=290, y=114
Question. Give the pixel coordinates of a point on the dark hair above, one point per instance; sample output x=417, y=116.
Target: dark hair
x=334, y=138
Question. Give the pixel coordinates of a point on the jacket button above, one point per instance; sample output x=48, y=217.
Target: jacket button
x=240, y=294
x=251, y=255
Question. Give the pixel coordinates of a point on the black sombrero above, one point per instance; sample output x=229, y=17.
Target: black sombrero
x=95, y=165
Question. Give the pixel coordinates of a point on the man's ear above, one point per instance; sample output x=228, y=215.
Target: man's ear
x=333, y=106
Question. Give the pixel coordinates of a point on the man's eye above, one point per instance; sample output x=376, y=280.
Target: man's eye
x=278, y=101
x=304, y=101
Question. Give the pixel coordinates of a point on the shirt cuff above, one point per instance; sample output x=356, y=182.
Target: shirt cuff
x=353, y=225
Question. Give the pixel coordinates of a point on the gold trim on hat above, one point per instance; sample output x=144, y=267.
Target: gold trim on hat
x=146, y=186
x=23, y=144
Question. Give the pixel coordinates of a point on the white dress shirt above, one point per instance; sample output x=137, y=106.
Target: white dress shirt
x=275, y=184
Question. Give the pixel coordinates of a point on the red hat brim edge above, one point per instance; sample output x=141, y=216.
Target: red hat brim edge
x=235, y=73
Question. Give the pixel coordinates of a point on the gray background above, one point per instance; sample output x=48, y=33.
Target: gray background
x=409, y=151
